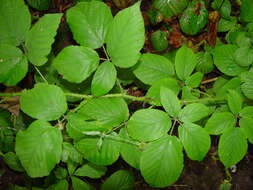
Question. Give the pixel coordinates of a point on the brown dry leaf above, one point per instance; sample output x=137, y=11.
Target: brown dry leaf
x=11, y=103
x=176, y=38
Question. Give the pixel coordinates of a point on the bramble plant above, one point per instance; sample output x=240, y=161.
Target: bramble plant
x=79, y=118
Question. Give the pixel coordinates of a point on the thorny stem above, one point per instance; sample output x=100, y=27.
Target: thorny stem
x=116, y=138
x=125, y=96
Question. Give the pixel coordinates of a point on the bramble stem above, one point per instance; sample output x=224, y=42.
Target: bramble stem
x=125, y=96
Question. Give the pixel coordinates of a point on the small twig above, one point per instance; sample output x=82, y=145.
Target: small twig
x=209, y=80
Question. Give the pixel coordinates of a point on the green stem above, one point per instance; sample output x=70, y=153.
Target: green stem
x=44, y=79
x=122, y=140
x=173, y=126
x=11, y=94
x=107, y=56
x=210, y=100
x=125, y=96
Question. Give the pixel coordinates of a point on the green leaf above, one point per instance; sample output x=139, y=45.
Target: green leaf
x=77, y=125
x=39, y=148
x=159, y=40
x=234, y=101
x=15, y=22
x=162, y=162
x=246, y=124
x=232, y=147
x=69, y=152
x=13, y=65
x=44, y=101
x=246, y=112
x=153, y=67
x=216, y=4
x=129, y=152
x=170, y=102
x=244, y=56
x=218, y=123
x=194, y=80
x=79, y=184
x=225, y=9
x=225, y=25
x=40, y=5
x=106, y=155
x=11, y=159
x=193, y=112
x=91, y=170
x=126, y=36
x=40, y=38
x=120, y=180
x=89, y=29
x=76, y=63
x=60, y=173
x=60, y=185
x=221, y=90
x=170, y=8
x=154, y=90
x=246, y=15
x=104, y=79
x=195, y=140
x=185, y=62
x=148, y=124
x=110, y=112
x=225, y=61
x=192, y=22
x=188, y=94
x=247, y=89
